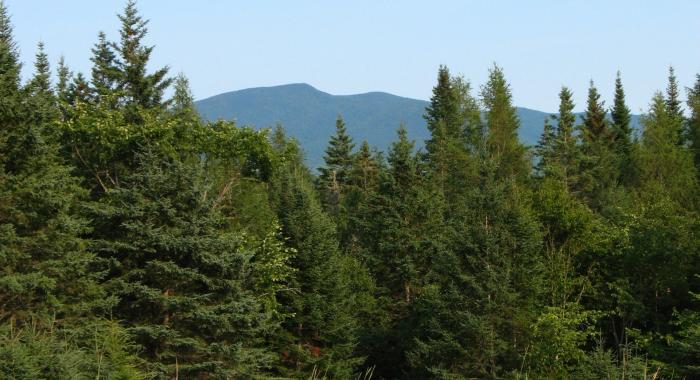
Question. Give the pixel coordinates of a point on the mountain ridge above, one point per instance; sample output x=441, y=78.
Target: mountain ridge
x=308, y=114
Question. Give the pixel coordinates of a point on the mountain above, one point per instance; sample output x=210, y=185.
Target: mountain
x=309, y=115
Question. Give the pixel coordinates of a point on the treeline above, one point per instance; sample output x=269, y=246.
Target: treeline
x=139, y=242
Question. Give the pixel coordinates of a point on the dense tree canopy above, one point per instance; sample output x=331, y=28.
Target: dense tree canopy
x=138, y=241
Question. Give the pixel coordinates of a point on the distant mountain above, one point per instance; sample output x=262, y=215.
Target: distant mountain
x=309, y=115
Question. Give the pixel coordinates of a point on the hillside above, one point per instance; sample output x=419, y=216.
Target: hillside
x=309, y=114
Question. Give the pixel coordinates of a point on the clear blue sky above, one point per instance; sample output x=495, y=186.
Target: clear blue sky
x=345, y=47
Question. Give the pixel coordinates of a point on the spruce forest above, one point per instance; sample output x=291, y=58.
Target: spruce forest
x=138, y=241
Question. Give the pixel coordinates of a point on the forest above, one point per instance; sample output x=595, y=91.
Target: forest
x=138, y=241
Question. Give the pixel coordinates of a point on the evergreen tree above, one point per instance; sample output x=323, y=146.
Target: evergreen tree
x=333, y=291
x=105, y=72
x=545, y=148
x=600, y=171
x=565, y=163
x=660, y=160
x=63, y=75
x=621, y=118
x=43, y=256
x=137, y=88
x=402, y=231
x=673, y=102
x=188, y=284
x=622, y=131
x=453, y=118
x=693, y=132
x=40, y=84
x=338, y=165
x=183, y=100
x=502, y=128
x=595, y=125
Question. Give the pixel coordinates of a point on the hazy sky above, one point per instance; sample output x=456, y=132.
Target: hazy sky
x=345, y=47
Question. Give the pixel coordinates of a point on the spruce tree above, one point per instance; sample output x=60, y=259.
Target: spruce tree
x=566, y=153
x=188, y=284
x=105, y=72
x=545, y=148
x=183, y=100
x=622, y=131
x=693, y=132
x=40, y=84
x=674, y=106
x=403, y=231
x=136, y=86
x=621, y=119
x=453, y=119
x=338, y=165
x=43, y=255
x=595, y=125
x=502, y=124
x=332, y=290
x=660, y=160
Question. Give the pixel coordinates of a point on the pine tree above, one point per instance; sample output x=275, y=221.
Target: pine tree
x=566, y=151
x=502, y=127
x=105, y=72
x=183, y=100
x=138, y=88
x=338, y=165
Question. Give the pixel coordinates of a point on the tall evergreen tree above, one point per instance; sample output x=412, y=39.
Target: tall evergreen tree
x=338, y=164
x=40, y=84
x=137, y=87
x=43, y=255
x=595, y=124
x=673, y=102
x=105, y=72
x=502, y=127
x=183, y=100
x=660, y=159
x=621, y=118
x=333, y=291
x=188, y=283
x=693, y=131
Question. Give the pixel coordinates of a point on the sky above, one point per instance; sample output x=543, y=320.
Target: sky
x=347, y=47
